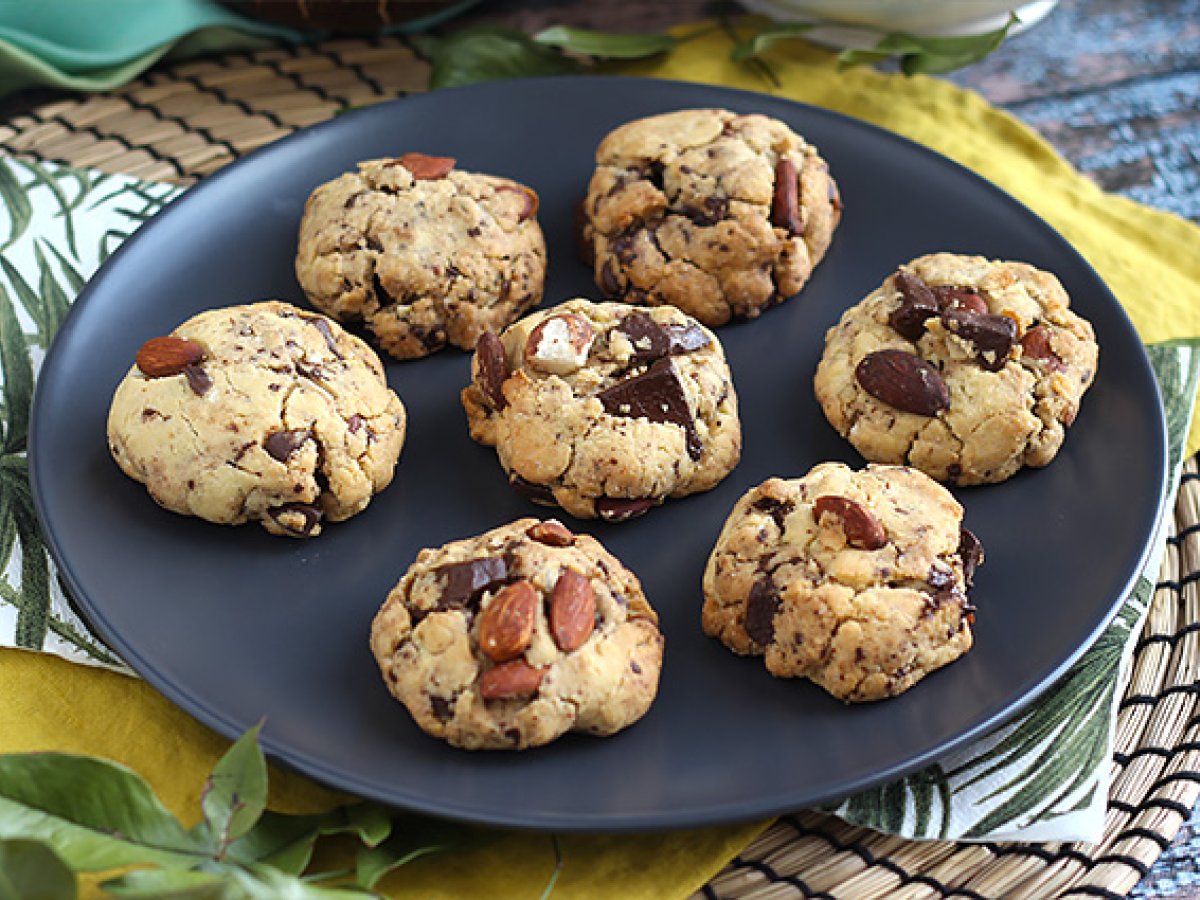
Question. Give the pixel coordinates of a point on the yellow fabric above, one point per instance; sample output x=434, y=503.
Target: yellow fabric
x=1148, y=258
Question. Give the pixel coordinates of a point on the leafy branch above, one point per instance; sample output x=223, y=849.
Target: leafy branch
x=62, y=814
x=488, y=52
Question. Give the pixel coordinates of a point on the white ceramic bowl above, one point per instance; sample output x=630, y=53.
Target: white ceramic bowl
x=923, y=17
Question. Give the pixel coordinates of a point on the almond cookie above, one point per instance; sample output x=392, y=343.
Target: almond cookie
x=422, y=253
x=513, y=638
x=719, y=214
x=854, y=580
x=258, y=413
x=966, y=368
x=605, y=409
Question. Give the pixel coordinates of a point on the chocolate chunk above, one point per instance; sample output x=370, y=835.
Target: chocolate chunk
x=785, y=205
x=311, y=517
x=650, y=340
x=761, y=606
x=442, y=708
x=354, y=423
x=711, y=211
x=492, y=362
x=620, y=509
x=776, y=509
x=939, y=579
x=382, y=297
x=917, y=305
x=656, y=395
x=282, y=444
x=970, y=551
x=326, y=332
x=538, y=493
x=197, y=379
x=993, y=336
x=467, y=581
x=686, y=338
x=654, y=174
x=634, y=667
x=608, y=281
x=529, y=200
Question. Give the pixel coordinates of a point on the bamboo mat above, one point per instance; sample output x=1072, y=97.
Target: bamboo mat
x=182, y=122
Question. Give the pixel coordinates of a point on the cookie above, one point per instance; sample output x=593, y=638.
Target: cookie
x=258, y=413
x=515, y=637
x=719, y=214
x=966, y=368
x=855, y=580
x=421, y=253
x=605, y=409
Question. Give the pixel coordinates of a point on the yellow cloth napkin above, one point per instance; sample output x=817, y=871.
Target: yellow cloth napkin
x=1148, y=258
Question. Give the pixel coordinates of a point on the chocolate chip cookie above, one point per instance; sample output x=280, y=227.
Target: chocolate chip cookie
x=966, y=368
x=258, y=413
x=422, y=253
x=605, y=409
x=515, y=637
x=855, y=580
x=719, y=214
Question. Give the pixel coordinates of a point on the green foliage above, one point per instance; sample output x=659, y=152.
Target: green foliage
x=929, y=55
x=71, y=814
x=30, y=870
x=606, y=44
x=489, y=53
x=766, y=38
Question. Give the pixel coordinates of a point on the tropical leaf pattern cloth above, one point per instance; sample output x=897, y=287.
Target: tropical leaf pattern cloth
x=1042, y=777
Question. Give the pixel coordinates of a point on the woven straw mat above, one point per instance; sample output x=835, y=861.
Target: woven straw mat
x=181, y=122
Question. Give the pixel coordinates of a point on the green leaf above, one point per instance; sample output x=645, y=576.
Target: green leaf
x=16, y=201
x=606, y=44
x=236, y=793
x=286, y=842
x=171, y=884
x=55, y=302
x=489, y=53
x=74, y=279
x=766, y=38
x=34, y=613
x=929, y=55
x=44, y=177
x=96, y=814
x=30, y=870
x=18, y=377
x=412, y=838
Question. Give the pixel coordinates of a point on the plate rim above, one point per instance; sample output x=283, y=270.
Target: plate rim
x=712, y=814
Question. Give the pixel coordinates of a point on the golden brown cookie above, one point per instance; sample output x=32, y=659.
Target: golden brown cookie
x=718, y=214
x=260, y=413
x=515, y=637
x=422, y=253
x=964, y=367
x=855, y=580
x=605, y=409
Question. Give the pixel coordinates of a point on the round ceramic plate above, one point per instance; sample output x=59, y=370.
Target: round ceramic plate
x=234, y=625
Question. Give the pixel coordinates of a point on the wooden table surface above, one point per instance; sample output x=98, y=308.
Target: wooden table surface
x=1114, y=85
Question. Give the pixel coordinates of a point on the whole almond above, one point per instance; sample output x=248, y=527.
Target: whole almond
x=425, y=167
x=859, y=525
x=160, y=357
x=903, y=381
x=506, y=624
x=572, y=610
x=1036, y=345
x=551, y=532
x=785, y=205
x=951, y=296
x=559, y=344
x=510, y=681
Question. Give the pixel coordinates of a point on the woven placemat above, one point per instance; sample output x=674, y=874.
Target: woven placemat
x=181, y=122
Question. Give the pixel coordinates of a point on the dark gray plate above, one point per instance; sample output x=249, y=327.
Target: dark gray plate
x=233, y=625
